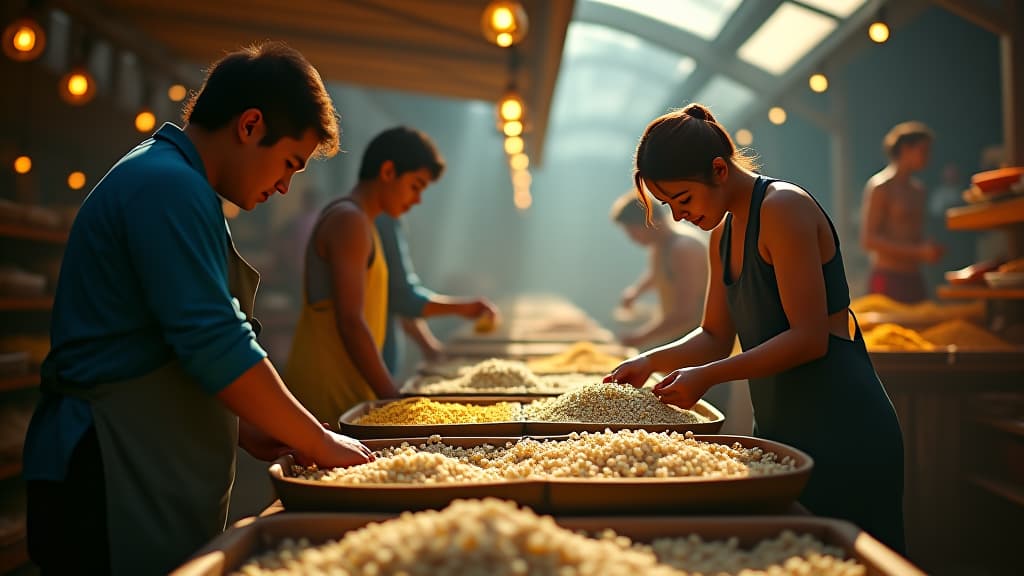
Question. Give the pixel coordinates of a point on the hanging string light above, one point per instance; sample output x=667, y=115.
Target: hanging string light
x=818, y=82
x=145, y=121
x=777, y=115
x=878, y=31
x=78, y=86
x=24, y=38
x=76, y=180
x=177, y=92
x=23, y=164
x=519, y=161
x=145, y=118
x=511, y=106
x=504, y=22
x=513, y=128
x=514, y=145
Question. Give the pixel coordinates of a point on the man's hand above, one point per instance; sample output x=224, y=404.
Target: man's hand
x=336, y=451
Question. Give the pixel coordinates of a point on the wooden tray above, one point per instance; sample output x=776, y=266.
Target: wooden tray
x=252, y=536
x=347, y=422
x=559, y=496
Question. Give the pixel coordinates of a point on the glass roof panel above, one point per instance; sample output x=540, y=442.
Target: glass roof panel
x=786, y=37
x=610, y=75
x=705, y=18
x=840, y=8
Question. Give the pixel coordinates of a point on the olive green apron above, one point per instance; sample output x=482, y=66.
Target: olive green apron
x=168, y=451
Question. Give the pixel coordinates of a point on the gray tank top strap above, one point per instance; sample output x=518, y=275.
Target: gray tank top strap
x=319, y=285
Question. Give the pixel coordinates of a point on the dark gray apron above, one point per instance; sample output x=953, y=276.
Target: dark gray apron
x=168, y=451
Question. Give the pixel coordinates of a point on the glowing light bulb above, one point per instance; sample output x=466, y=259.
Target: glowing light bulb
x=818, y=82
x=177, y=93
x=878, y=32
x=777, y=115
x=514, y=145
x=502, y=20
x=519, y=162
x=145, y=121
x=24, y=39
x=513, y=128
x=23, y=164
x=76, y=180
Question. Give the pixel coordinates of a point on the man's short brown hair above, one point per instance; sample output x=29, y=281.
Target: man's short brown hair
x=905, y=134
x=278, y=81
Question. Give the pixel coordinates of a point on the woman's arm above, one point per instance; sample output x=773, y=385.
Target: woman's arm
x=711, y=341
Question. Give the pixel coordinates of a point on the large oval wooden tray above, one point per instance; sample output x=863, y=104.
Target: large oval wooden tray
x=252, y=536
x=559, y=496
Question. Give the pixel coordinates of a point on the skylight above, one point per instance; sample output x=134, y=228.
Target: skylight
x=615, y=75
x=840, y=8
x=786, y=37
x=705, y=18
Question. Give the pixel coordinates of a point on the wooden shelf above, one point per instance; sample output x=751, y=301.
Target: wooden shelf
x=1005, y=490
x=1013, y=426
x=979, y=292
x=14, y=555
x=19, y=382
x=986, y=215
x=9, y=469
x=33, y=303
x=22, y=232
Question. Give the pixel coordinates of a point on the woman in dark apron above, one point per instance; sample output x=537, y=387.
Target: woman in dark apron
x=777, y=281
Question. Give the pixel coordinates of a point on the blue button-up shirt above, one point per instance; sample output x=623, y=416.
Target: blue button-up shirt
x=144, y=281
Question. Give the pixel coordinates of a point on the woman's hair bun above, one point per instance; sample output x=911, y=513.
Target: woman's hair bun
x=698, y=111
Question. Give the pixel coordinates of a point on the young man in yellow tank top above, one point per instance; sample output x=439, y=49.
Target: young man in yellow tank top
x=335, y=360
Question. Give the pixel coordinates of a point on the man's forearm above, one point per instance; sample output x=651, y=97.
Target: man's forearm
x=261, y=400
x=359, y=344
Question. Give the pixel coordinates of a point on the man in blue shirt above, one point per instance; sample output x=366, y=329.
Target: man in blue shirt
x=154, y=373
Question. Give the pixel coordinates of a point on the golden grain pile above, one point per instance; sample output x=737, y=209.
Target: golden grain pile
x=420, y=411
x=895, y=338
x=494, y=537
x=581, y=357
x=965, y=336
x=497, y=376
x=602, y=403
x=960, y=334
x=622, y=454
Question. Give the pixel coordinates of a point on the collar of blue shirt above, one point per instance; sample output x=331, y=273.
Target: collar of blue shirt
x=181, y=141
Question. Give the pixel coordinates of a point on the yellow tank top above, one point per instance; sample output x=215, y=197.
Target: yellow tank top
x=320, y=372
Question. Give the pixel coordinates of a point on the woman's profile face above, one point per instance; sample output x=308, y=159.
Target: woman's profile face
x=696, y=202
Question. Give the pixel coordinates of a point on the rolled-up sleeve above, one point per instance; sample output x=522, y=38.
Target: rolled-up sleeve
x=406, y=294
x=178, y=244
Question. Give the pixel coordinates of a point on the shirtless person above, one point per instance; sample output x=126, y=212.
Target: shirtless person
x=892, y=228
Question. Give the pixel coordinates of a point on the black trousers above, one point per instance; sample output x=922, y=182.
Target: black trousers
x=67, y=521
